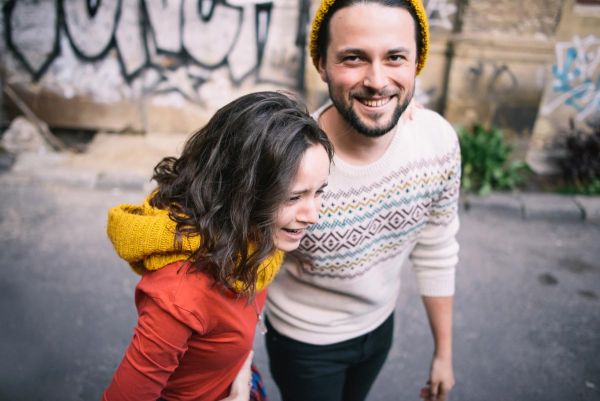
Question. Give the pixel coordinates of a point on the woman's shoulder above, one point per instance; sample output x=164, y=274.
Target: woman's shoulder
x=177, y=285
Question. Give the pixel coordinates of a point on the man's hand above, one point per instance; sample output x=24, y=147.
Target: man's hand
x=441, y=375
x=441, y=380
x=240, y=388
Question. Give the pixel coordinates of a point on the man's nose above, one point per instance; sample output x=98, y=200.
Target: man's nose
x=375, y=77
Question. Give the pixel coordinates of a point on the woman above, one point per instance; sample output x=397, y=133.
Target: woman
x=209, y=240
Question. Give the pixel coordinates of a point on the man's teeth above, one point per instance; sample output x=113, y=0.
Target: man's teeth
x=375, y=103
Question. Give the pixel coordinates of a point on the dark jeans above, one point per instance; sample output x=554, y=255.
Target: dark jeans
x=342, y=371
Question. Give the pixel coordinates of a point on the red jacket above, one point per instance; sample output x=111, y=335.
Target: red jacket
x=191, y=339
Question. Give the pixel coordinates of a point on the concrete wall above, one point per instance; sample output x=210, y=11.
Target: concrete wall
x=148, y=64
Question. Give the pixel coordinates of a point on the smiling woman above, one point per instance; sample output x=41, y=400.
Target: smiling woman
x=302, y=207
x=209, y=240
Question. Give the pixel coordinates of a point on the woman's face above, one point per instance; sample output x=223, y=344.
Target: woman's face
x=301, y=209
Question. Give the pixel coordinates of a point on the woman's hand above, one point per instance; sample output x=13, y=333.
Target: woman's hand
x=240, y=388
x=411, y=110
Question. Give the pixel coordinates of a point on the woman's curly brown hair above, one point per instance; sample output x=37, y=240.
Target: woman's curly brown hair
x=230, y=180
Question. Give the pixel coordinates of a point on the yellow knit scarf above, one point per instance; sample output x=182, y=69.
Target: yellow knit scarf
x=144, y=236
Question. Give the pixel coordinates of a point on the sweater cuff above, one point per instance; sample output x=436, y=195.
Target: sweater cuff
x=436, y=285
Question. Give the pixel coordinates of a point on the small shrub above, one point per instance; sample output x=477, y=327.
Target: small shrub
x=485, y=165
x=579, y=161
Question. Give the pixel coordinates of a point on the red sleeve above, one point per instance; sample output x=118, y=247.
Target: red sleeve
x=158, y=343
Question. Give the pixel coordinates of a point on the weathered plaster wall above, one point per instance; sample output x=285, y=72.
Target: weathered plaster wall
x=148, y=64
x=526, y=19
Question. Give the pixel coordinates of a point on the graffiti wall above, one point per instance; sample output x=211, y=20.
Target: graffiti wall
x=169, y=53
x=572, y=92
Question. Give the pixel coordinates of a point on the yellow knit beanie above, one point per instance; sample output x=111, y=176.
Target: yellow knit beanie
x=418, y=8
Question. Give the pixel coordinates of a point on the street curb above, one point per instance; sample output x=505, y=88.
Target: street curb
x=551, y=207
x=105, y=181
x=55, y=168
x=590, y=206
x=536, y=206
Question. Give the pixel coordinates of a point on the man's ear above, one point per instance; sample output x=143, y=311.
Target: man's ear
x=322, y=71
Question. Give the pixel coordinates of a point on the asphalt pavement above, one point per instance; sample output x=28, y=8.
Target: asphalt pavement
x=527, y=307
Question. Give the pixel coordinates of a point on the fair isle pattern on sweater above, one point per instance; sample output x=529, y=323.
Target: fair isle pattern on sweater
x=362, y=227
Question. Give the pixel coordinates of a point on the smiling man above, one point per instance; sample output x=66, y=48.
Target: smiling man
x=392, y=197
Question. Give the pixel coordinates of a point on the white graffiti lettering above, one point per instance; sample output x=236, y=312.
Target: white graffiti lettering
x=35, y=45
x=130, y=40
x=90, y=33
x=208, y=36
x=163, y=16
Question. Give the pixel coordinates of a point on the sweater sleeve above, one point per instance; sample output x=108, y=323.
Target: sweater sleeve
x=435, y=254
x=159, y=342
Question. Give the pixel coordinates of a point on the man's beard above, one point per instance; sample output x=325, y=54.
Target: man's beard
x=357, y=124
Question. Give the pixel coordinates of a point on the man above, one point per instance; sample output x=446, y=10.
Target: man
x=392, y=196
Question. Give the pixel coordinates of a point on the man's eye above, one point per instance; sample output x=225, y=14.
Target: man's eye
x=352, y=59
x=397, y=58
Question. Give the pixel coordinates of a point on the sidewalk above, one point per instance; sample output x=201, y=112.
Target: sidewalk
x=528, y=288
x=125, y=162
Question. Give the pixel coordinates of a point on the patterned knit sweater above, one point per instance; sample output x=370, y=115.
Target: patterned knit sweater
x=374, y=218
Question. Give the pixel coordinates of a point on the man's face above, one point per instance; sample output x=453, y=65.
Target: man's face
x=370, y=65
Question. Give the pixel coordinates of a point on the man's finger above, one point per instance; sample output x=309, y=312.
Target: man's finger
x=434, y=390
x=443, y=395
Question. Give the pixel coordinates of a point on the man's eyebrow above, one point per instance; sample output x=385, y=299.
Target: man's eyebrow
x=400, y=49
x=350, y=50
x=361, y=52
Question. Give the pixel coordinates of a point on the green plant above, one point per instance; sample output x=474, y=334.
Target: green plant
x=485, y=161
x=579, y=161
